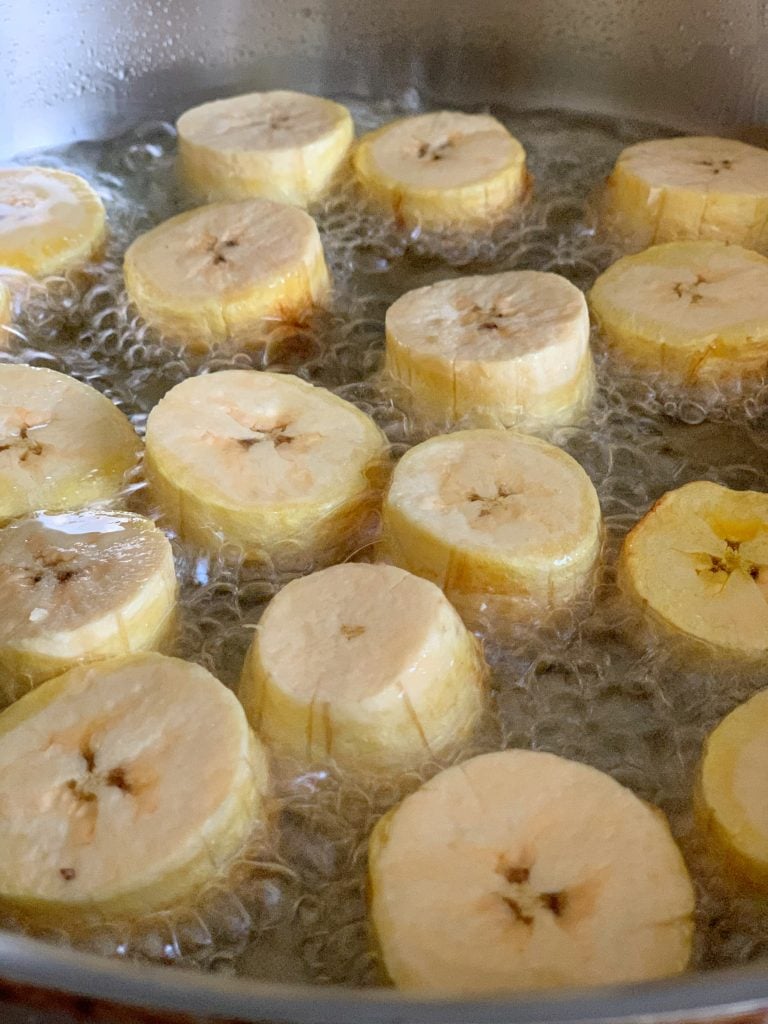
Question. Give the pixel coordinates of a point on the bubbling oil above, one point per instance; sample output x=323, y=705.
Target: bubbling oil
x=293, y=909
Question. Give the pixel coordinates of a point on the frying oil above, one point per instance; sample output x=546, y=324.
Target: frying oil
x=293, y=907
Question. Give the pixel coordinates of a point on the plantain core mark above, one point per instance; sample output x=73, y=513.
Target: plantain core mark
x=58, y=564
x=215, y=246
x=718, y=565
x=489, y=317
x=83, y=795
x=554, y=901
x=515, y=875
x=489, y=503
x=729, y=563
x=428, y=151
x=689, y=290
x=717, y=166
x=278, y=121
x=65, y=575
x=276, y=435
x=525, y=900
x=30, y=447
x=118, y=779
x=518, y=911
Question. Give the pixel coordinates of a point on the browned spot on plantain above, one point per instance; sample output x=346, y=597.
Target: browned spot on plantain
x=65, y=575
x=514, y=873
x=434, y=151
x=84, y=796
x=554, y=901
x=23, y=441
x=88, y=755
x=274, y=434
x=350, y=632
x=716, y=166
x=118, y=778
x=517, y=911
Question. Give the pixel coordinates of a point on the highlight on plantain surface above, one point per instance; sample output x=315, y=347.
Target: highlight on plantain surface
x=443, y=170
x=125, y=785
x=697, y=565
x=50, y=221
x=730, y=806
x=506, y=350
x=521, y=870
x=695, y=312
x=507, y=525
x=694, y=187
x=364, y=665
x=281, y=145
x=215, y=274
x=62, y=444
x=285, y=472
x=80, y=586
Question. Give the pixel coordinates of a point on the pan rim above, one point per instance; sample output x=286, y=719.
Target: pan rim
x=736, y=991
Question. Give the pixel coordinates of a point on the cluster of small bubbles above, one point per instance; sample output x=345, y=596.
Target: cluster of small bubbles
x=324, y=826
x=240, y=909
x=583, y=684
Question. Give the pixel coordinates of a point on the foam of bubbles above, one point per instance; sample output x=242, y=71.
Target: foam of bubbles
x=574, y=686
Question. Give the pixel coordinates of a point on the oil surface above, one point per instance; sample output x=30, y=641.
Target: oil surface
x=577, y=687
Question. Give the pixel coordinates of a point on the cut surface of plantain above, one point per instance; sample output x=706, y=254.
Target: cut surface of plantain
x=62, y=443
x=697, y=563
x=281, y=145
x=125, y=786
x=80, y=586
x=264, y=462
x=521, y=870
x=50, y=221
x=215, y=274
x=500, y=350
x=690, y=188
x=507, y=525
x=442, y=171
x=363, y=664
x=693, y=311
x=730, y=797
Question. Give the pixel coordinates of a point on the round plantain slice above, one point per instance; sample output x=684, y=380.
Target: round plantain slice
x=125, y=786
x=520, y=870
x=365, y=665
